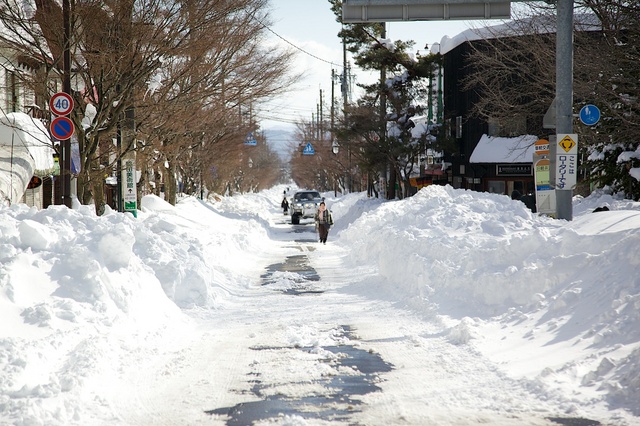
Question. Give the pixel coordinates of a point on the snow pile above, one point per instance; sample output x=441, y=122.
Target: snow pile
x=192, y=249
x=76, y=290
x=560, y=285
x=553, y=302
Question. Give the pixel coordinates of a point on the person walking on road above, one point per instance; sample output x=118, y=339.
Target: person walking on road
x=324, y=220
x=285, y=205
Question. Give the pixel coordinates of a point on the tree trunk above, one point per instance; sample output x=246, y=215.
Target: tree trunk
x=98, y=195
x=157, y=179
x=84, y=190
x=391, y=186
x=170, y=185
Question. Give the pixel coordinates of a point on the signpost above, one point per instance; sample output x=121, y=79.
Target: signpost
x=564, y=103
x=61, y=127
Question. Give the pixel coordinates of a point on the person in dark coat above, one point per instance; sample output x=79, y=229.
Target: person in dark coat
x=529, y=200
x=285, y=205
x=324, y=220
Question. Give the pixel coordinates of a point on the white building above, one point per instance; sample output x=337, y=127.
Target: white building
x=26, y=149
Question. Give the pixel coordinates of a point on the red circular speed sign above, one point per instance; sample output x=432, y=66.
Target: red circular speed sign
x=61, y=103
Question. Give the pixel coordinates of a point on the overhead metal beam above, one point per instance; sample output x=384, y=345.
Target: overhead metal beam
x=415, y=2
x=359, y=11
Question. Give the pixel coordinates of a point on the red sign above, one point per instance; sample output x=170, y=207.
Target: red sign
x=61, y=128
x=61, y=103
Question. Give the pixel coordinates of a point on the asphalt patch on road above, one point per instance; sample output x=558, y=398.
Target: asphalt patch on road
x=300, y=229
x=570, y=421
x=299, y=282
x=305, y=228
x=342, y=390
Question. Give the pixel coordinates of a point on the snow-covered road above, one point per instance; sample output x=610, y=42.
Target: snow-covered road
x=449, y=308
x=309, y=344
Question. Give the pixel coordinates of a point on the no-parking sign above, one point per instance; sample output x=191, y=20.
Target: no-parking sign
x=61, y=103
x=61, y=128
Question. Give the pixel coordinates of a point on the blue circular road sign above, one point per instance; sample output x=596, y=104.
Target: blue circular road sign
x=61, y=128
x=589, y=115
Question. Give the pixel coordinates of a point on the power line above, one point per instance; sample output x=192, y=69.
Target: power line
x=279, y=119
x=296, y=47
x=279, y=107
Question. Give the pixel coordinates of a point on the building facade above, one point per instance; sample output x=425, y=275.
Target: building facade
x=490, y=157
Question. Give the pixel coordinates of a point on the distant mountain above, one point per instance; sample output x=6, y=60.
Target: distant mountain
x=280, y=139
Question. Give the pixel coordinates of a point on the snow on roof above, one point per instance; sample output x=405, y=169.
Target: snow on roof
x=504, y=150
x=18, y=128
x=545, y=24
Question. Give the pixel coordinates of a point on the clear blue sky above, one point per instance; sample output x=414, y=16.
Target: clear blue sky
x=311, y=26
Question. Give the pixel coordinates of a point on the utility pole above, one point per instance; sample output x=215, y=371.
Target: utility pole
x=564, y=94
x=332, y=110
x=313, y=130
x=389, y=170
x=65, y=145
x=334, y=144
x=321, y=118
x=119, y=201
x=317, y=129
x=126, y=164
x=345, y=101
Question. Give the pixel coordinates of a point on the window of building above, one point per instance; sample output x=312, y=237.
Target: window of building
x=496, y=186
x=13, y=91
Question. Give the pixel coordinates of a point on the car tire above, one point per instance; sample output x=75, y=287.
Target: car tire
x=295, y=219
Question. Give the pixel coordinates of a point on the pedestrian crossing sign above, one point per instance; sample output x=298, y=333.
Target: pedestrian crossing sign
x=250, y=140
x=308, y=150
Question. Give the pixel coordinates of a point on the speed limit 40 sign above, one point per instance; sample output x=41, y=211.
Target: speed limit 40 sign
x=61, y=104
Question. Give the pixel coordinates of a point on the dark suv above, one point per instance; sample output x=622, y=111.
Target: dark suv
x=304, y=204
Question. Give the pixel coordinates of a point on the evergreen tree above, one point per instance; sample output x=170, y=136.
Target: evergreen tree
x=380, y=123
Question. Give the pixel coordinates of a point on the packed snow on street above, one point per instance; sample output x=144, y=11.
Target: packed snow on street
x=450, y=307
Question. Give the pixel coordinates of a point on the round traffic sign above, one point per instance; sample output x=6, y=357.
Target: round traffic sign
x=61, y=128
x=541, y=147
x=589, y=115
x=61, y=103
